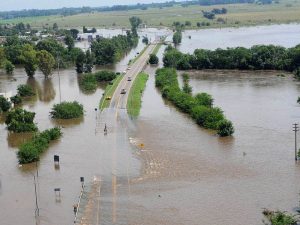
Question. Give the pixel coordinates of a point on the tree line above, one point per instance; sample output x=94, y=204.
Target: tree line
x=49, y=53
x=258, y=57
x=199, y=107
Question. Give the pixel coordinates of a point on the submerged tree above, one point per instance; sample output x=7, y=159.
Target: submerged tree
x=46, y=62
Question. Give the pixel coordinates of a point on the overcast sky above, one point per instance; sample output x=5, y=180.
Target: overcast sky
x=7, y=5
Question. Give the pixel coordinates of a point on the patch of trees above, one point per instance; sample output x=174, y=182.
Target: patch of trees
x=45, y=55
x=153, y=59
x=85, y=30
x=18, y=29
x=88, y=82
x=212, y=14
x=258, y=57
x=85, y=62
x=31, y=150
x=111, y=50
x=24, y=90
x=67, y=110
x=20, y=120
x=177, y=37
x=145, y=40
x=4, y=104
x=199, y=107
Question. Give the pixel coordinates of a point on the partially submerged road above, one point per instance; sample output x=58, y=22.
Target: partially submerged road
x=119, y=101
x=105, y=209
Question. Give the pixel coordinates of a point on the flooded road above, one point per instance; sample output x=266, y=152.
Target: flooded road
x=160, y=168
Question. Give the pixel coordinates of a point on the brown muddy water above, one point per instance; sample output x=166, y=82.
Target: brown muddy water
x=183, y=175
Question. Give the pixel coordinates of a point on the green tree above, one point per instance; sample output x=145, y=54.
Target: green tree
x=8, y=66
x=4, y=104
x=29, y=59
x=225, y=128
x=80, y=61
x=177, y=37
x=135, y=22
x=24, y=90
x=89, y=61
x=153, y=59
x=74, y=33
x=67, y=110
x=46, y=62
x=55, y=27
x=69, y=41
x=20, y=120
x=145, y=40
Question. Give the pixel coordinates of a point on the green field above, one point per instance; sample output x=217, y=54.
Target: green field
x=134, y=103
x=109, y=91
x=238, y=15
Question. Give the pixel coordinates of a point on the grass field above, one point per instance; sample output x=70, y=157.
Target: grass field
x=238, y=15
x=134, y=103
x=109, y=91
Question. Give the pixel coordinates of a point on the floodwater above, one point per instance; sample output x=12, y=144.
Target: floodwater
x=183, y=175
x=286, y=35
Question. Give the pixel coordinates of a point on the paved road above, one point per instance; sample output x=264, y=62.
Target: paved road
x=119, y=101
x=94, y=208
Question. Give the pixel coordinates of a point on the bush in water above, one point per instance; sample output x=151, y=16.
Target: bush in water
x=20, y=120
x=31, y=150
x=67, y=110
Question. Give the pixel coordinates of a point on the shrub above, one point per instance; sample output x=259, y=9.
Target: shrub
x=8, y=66
x=204, y=99
x=225, y=128
x=105, y=75
x=25, y=90
x=67, y=110
x=198, y=107
x=279, y=218
x=88, y=82
x=16, y=99
x=4, y=104
x=31, y=150
x=20, y=120
x=153, y=59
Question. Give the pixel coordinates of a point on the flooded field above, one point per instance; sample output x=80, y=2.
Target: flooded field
x=204, y=179
x=183, y=175
x=284, y=35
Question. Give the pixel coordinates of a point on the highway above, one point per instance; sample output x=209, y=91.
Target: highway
x=119, y=101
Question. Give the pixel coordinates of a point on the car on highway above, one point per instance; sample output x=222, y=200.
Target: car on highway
x=123, y=91
x=129, y=79
x=129, y=68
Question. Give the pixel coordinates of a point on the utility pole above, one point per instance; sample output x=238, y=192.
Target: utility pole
x=296, y=129
x=37, y=210
x=57, y=58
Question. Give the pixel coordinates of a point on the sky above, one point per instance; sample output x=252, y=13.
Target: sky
x=7, y=5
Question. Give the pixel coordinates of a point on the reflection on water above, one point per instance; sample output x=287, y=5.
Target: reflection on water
x=201, y=174
x=67, y=123
x=16, y=139
x=48, y=92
